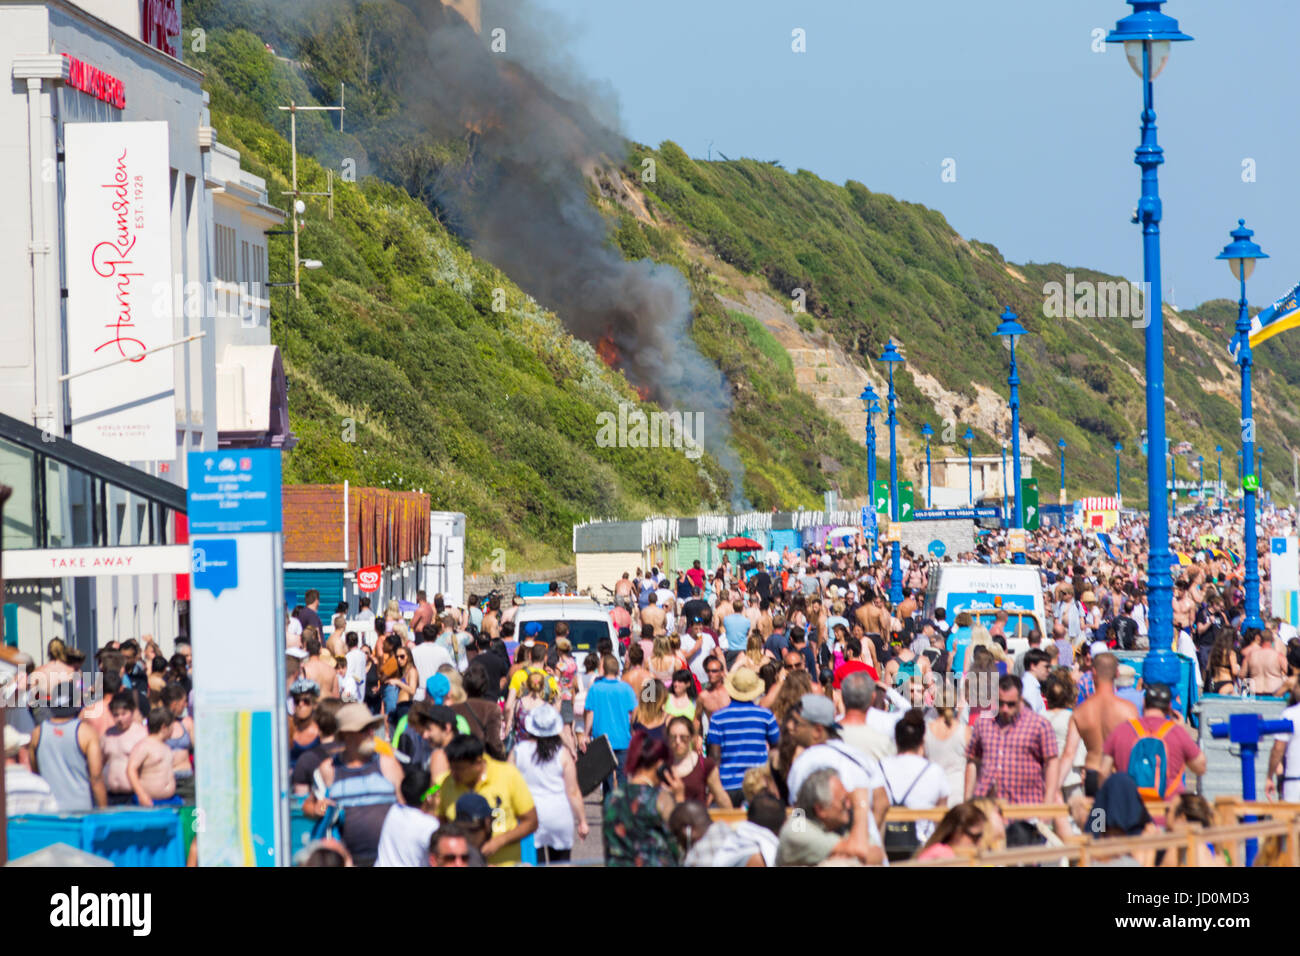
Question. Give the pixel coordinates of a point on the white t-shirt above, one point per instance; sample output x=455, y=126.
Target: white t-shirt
x=1139, y=615
x=1033, y=693
x=1185, y=647
x=923, y=782
x=356, y=659
x=404, y=840
x=855, y=773
x=884, y=722
x=1291, y=769
x=706, y=651
x=428, y=657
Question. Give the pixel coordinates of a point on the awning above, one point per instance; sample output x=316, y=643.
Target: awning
x=252, y=399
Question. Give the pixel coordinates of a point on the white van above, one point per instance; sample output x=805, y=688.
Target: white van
x=982, y=590
x=588, y=621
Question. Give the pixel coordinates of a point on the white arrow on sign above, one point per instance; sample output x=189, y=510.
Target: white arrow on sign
x=1029, y=514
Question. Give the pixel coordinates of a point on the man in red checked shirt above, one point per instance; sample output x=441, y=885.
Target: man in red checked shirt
x=1013, y=757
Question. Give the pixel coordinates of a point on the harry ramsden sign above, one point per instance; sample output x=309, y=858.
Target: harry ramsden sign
x=96, y=562
x=95, y=82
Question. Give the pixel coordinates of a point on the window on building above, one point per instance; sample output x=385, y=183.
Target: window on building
x=259, y=270
x=244, y=275
x=226, y=263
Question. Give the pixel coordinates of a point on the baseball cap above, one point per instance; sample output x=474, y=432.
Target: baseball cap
x=817, y=709
x=472, y=808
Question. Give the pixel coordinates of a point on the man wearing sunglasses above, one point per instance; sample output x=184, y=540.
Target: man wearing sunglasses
x=1014, y=757
x=450, y=847
x=713, y=695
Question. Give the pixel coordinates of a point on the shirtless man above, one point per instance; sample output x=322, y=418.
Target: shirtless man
x=117, y=743
x=817, y=620
x=149, y=767
x=1094, y=719
x=623, y=591
x=316, y=668
x=491, y=618
x=713, y=696
x=633, y=670
x=337, y=644
x=877, y=618
x=654, y=615
x=764, y=624
x=1184, y=607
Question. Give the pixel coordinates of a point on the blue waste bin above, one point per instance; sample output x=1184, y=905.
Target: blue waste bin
x=126, y=836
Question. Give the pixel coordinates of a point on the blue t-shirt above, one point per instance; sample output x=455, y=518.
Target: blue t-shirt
x=743, y=730
x=958, y=641
x=736, y=627
x=777, y=643
x=610, y=702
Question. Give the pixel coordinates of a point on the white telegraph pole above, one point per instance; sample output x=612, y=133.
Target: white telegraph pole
x=299, y=207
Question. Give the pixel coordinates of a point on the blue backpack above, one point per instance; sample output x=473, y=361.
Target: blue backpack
x=1148, y=761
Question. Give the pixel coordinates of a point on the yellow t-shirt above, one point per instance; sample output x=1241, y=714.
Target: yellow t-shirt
x=521, y=677
x=503, y=787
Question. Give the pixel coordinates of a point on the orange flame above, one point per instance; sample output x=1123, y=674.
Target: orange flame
x=608, y=351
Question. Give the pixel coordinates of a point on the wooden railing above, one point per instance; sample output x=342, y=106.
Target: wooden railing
x=1084, y=851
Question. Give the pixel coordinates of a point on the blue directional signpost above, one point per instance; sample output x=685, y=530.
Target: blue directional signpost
x=236, y=624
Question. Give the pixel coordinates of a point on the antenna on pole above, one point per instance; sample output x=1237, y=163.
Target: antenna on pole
x=299, y=207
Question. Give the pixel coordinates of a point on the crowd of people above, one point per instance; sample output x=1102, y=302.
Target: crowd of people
x=784, y=688
x=788, y=690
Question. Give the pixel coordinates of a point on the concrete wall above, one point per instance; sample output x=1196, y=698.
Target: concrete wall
x=957, y=535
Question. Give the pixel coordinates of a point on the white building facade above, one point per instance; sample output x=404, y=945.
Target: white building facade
x=208, y=354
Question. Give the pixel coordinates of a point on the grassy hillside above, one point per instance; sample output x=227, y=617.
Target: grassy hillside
x=495, y=413
x=874, y=267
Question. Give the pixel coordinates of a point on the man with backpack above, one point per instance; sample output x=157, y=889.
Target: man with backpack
x=1153, y=749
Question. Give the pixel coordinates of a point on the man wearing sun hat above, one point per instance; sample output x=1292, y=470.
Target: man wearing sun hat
x=742, y=734
x=360, y=782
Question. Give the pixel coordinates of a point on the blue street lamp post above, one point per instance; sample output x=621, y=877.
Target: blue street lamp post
x=1118, y=448
x=1011, y=330
x=928, y=432
x=1200, y=490
x=970, y=467
x=1004, y=483
x=891, y=356
x=1218, y=488
x=1061, y=445
x=1241, y=254
x=868, y=398
x=1146, y=34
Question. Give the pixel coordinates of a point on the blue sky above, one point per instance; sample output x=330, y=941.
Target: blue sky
x=1041, y=128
